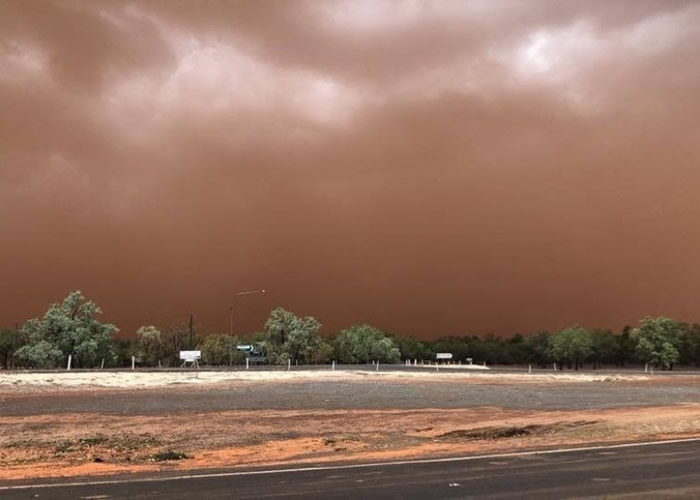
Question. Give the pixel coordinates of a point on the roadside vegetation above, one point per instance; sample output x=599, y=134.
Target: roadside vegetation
x=71, y=328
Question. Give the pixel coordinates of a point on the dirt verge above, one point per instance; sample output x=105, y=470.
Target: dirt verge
x=86, y=444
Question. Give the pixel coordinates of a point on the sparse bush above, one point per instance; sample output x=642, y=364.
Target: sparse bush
x=169, y=455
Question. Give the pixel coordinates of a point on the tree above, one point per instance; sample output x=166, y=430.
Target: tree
x=149, y=345
x=365, y=343
x=219, y=350
x=605, y=347
x=491, y=350
x=625, y=346
x=515, y=350
x=322, y=354
x=288, y=337
x=175, y=338
x=67, y=328
x=123, y=349
x=690, y=350
x=657, y=341
x=460, y=347
x=536, y=348
x=10, y=341
x=572, y=345
x=411, y=348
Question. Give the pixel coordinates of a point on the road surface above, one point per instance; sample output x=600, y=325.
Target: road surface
x=657, y=470
x=351, y=394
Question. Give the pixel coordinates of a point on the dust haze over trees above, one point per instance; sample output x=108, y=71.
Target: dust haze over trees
x=71, y=328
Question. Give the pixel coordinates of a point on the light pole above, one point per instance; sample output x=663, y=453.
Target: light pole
x=246, y=292
x=230, y=319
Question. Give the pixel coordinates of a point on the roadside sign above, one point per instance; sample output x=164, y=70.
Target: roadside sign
x=443, y=355
x=190, y=356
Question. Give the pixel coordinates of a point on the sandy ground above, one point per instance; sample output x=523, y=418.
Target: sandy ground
x=136, y=379
x=53, y=443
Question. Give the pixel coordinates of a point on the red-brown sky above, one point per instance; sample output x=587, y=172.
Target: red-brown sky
x=431, y=168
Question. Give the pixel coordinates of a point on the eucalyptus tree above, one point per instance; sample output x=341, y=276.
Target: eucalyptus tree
x=657, y=341
x=572, y=345
x=288, y=337
x=68, y=328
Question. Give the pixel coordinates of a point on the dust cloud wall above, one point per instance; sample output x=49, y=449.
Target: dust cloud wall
x=431, y=168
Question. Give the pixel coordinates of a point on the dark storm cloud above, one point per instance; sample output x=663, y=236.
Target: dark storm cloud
x=432, y=168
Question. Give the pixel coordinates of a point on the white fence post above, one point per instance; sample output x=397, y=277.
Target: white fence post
x=333, y=365
x=133, y=362
x=289, y=364
x=247, y=363
x=70, y=358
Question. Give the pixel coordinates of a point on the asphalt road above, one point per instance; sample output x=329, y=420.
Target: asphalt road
x=332, y=395
x=367, y=393
x=649, y=471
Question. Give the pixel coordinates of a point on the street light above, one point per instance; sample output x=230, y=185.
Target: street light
x=230, y=323
x=239, y=294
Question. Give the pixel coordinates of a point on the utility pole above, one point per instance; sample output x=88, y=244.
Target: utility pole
x=230, y=333
x=191, y=332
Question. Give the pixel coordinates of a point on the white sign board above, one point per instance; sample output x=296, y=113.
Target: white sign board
x=443, y=355
x=190, y=355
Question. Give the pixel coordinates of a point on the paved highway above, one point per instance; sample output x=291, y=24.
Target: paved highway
x=658, y=470
x=354, y=392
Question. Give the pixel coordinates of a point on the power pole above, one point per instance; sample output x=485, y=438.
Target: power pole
x=191, y=333
x=230, y=334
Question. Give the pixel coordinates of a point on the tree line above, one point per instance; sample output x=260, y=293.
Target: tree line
x=71, y=328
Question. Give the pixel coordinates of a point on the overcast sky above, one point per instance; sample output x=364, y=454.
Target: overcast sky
x=432, y=168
